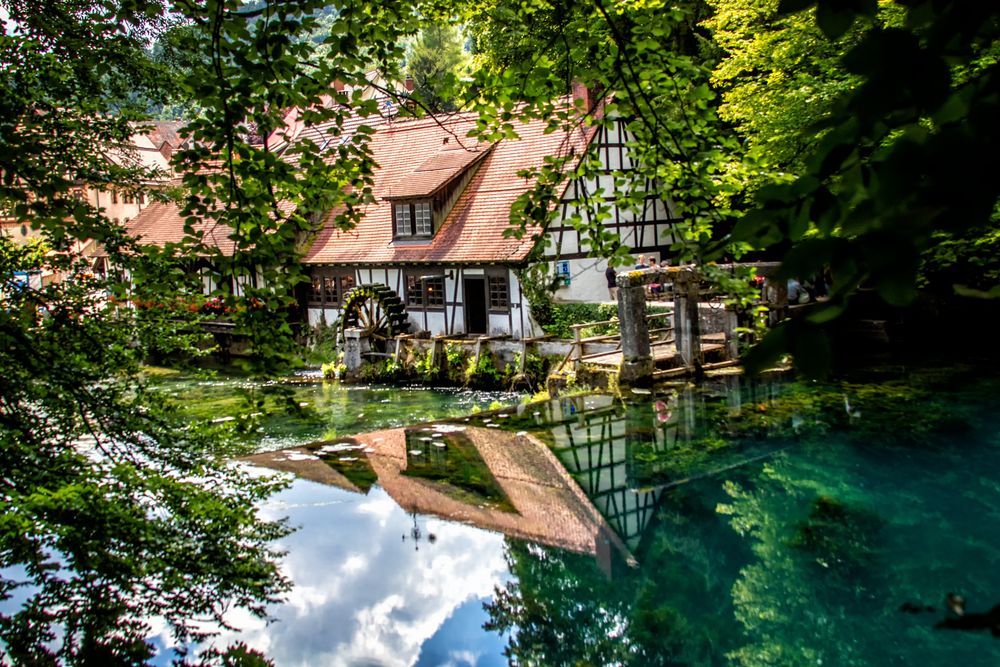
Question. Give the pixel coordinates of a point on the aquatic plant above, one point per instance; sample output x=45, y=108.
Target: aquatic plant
x=356, y=469
x=838, y=536
x=427, y=367
x=334, y=370
x=455, y=360
x=458, y=468
x=483, y=372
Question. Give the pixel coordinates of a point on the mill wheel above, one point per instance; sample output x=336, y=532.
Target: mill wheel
x=377, y=311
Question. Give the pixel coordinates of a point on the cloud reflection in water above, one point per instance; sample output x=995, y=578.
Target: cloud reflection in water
x=362, y=595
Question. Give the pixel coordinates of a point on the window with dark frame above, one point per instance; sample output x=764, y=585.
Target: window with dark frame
x=402, y=215
x=425, y=292
x=316, y=289
x=434, y=292
x=328, y=287
x=414, y=291
x=330, y=292
x=499, y=294
x=413, y=219
x=422, y=222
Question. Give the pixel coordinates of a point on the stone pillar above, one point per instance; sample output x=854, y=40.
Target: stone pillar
x=637, y=356
x=354, y=346
x=687, y=323
x=730, y=323
x=776, y=299
x=733, y=396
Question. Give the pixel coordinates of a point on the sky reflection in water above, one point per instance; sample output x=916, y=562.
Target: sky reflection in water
x=365, y=596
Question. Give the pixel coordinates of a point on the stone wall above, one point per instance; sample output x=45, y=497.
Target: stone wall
x=712, y=317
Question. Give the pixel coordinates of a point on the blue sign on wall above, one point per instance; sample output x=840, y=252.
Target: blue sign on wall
x=562, y=272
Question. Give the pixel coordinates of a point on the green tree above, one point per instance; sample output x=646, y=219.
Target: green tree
x=902, y=167
x=779, y=77
x=116, y=511
x=651, y=59
x=436, y=61
x=860, y=131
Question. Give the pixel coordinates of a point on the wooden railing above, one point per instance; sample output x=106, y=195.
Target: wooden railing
x=658, y=335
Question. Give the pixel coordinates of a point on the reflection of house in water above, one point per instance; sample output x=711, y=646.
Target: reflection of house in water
x=502, y=481
x=585, y=474
x=625, y=458
x=596, y=441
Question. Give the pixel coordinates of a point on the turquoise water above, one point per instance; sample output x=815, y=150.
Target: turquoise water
x=747, y=523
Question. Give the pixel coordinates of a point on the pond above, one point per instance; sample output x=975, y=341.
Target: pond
x=744, y=522
x=303, y=408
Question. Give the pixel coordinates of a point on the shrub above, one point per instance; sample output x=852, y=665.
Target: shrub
x=484, y=372
x=426, y=367
x=536, y=370
x=455, y=359
x=564, y=315
x=321, y=342
x=386, y=370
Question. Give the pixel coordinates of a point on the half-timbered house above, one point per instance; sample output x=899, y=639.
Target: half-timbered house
x=437, y=234
x=648, y=231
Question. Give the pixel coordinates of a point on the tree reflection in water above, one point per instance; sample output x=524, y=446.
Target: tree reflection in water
x=803, y=557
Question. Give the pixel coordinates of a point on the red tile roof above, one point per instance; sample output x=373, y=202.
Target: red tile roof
x=164, y=131
x=436, y=171
x=473, y=232
x=327, y=135
x=162, y=223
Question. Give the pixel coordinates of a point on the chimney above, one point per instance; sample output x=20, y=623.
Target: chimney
x=408, y=84
x=338, y=85
x=581, y=96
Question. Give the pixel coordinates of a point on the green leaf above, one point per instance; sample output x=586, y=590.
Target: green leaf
x=792, y=6
x=826, y=312
x=808, y=257
x=833, y=19
x=812, y=352
x=769, y=350
x=992, y=293
x=897, y=289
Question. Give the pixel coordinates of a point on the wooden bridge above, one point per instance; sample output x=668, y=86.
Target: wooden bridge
x=662, y=343
x=645, y=347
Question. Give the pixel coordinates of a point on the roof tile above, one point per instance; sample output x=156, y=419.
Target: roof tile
x=473, y=232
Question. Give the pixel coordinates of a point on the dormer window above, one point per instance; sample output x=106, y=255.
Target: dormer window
x=423, y=198
x=413, y=219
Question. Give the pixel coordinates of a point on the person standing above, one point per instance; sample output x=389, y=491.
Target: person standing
x=612, y=275
x=654, y=288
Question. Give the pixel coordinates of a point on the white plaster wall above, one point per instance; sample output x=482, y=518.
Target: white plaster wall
x=119, y=211
x=317, y=315
x=587, y=281
x=434, y=321
x=452, y=320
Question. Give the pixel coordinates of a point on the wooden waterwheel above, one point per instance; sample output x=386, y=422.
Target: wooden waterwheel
x=377, y=311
